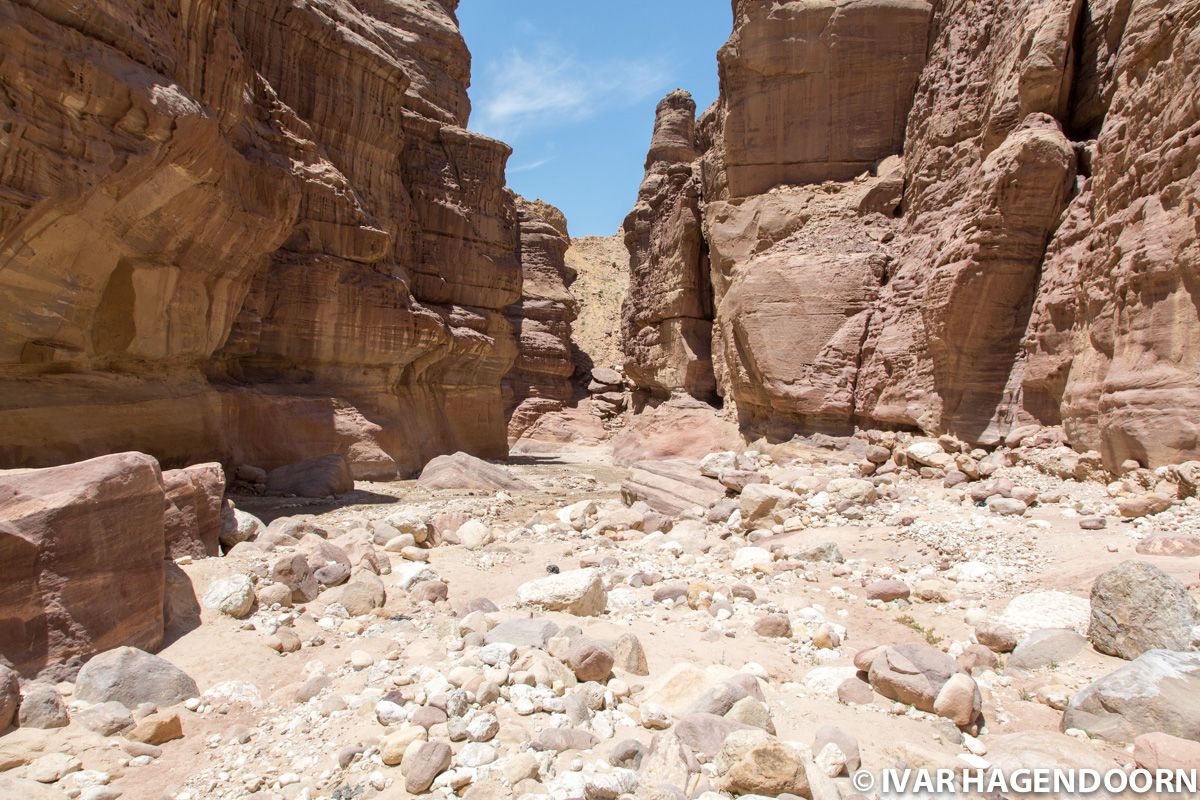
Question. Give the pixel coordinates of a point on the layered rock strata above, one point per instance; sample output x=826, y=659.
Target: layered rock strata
x=253, y=231
x=955, y=217
x=540, y=380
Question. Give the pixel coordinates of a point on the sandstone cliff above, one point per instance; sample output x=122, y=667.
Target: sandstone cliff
x=540, y=380
x=253, y=231
x=956, y=216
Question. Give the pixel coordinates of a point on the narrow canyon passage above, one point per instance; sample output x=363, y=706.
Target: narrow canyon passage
x=344, y=454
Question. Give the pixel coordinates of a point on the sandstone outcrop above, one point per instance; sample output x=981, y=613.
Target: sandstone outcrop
x=81, y=560
x=666, y=318
x=946, y=217
x=252, y=231
x=540, y=379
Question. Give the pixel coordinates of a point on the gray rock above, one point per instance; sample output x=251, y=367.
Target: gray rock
x=627, y=753
x=42, y=707
x=560, y=739
x=522, y=632
x=294, y=572
x=361, y=595
x=463, y=471
x=1137, y=607
x=106, y=719
x=10, y=696
x=825, y=552
x=132, y=677
x=232, y=596
x=1045, y=648
x=705, y=733
x=1006, y=506
x=1157, y=691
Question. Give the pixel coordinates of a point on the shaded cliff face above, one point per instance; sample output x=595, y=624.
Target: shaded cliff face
x=255, y=231
x=540, y=379
x=960, y=216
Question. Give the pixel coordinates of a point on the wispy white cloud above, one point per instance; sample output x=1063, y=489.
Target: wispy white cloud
x=531, y=166
x=546, y=86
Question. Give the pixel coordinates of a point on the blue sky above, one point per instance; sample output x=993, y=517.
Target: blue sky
x=572, y=85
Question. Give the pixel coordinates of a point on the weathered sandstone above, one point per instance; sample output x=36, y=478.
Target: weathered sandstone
x=254, y=231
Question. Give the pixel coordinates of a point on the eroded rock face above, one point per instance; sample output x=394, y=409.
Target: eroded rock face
x=540, y=379
x=666, y=325
x=255, y=231
x=81, y=560
x=940, y=216
x=819, y=90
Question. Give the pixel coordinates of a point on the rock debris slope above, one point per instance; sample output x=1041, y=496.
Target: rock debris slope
x=253, y=230
x=957, y=216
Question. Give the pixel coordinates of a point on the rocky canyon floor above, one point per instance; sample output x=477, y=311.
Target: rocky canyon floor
x=549, y=639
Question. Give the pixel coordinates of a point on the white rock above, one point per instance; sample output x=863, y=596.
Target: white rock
x=232, y=596
x=745, y=559
x=1035, y=610
x=577, y=591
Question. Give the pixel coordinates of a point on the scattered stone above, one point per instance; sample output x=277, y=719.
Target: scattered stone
x=431, y=760
x=42, y=707
x=912, y=673
x=232, y=596
x=52, y=767
x=157, y=729
x=107, y=719
x=754, y=762
x=996, y=636
x=590, y=660
x=1177, y=546
x=523, y=633
x=629, y=656
x=887, y=590
x=775, y=626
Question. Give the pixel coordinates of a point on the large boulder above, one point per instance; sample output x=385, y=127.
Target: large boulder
x=1157, y=691
x=192, y=518
x=577, y=591
x=314, y=477
x=464, y=471
x=670, y=487
x=132, y=677
x=1137, y=607
x=81, y=559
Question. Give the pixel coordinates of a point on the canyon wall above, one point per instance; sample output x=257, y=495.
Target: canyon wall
x=253, y=231
x=540, y=379
x=958, y=216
